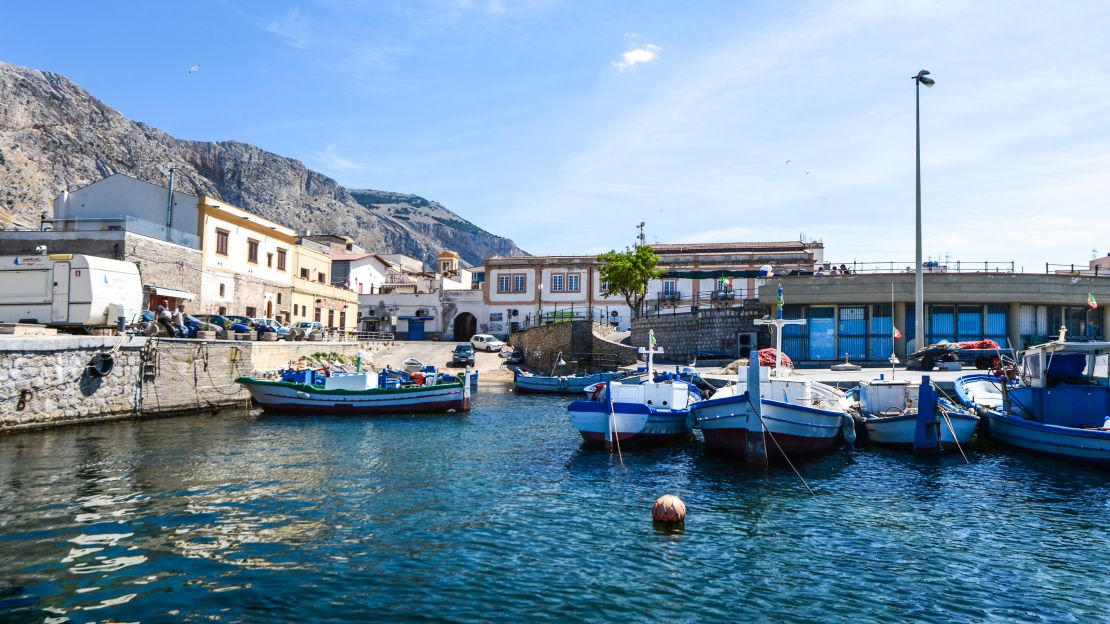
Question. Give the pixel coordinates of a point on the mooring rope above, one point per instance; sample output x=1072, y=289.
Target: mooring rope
x=784, y=455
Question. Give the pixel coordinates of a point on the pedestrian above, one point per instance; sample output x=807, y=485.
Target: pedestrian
x=179, y=321
x=164, y=317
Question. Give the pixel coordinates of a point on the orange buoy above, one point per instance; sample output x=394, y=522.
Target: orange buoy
x=669, y=509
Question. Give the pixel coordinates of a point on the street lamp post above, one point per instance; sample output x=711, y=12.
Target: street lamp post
x=919, y=281
x=539, y=305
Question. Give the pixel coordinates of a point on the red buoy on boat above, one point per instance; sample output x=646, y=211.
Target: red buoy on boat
x=669, y=509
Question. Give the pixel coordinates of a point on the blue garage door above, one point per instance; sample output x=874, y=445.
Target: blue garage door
x=416, y=330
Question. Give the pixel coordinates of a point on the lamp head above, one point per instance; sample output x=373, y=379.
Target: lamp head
x=921, y=78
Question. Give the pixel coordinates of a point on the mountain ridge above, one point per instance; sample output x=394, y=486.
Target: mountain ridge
x=55, y=136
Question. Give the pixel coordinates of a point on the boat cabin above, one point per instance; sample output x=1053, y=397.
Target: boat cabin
x=1066, y=384
x=670, y=395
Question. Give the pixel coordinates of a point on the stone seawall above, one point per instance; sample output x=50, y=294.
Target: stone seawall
x=45, y=381
x=575, y=341
x=716, y=331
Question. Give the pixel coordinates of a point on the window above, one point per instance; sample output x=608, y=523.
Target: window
x=519, y=282
x=669, y=288
x=331, y=319
x=281, y=259
x=279, y=298
x=252, y=251
x=221, y=290
x=342, y=319
x=320, y=277
x=221, y=310
x=502, y=283
x=252, y=311
x=573, y=284
x=317, y=318
x=557, y=282
x=603, y=286
x=304, y=274
x=221, y=242
x=269, y=260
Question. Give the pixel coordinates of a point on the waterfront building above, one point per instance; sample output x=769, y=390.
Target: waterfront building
x=855, y=314
x=123, y=218
x=446, y=303
x=526, y=291
x=314, y=296
x=246, y=261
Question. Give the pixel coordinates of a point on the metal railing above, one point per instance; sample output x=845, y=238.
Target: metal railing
x=931, y=266
x=128, y=224
x=1070, y=269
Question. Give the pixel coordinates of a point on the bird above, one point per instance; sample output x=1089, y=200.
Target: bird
x=788, y=162
x=194, y=69
x=807, y=173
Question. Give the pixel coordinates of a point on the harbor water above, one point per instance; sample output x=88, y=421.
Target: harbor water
x=501, y=515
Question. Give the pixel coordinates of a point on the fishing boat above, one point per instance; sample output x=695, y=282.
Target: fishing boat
x=794, y=416
x=902, y=414
x=1056, y=403
x=626, y=414
x=528, y=383
x=412, y=365
x=322, y=391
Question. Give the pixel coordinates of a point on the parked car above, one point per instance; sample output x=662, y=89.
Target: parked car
x=309, y=327
x=193, y=325
x=463, y=355
x=266, y=326
x=283, y=332
x=486, y=342
x=224, y=322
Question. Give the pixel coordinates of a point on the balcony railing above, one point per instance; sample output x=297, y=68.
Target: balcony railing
x=127, y=224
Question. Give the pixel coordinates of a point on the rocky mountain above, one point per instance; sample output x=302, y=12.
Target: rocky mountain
x=54, y=136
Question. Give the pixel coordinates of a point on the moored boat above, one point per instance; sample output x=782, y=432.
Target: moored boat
x=625, y=414
x=528, y=383
x=794, y=416
x=898, y=413
x=1057, y=404
x=330, y=392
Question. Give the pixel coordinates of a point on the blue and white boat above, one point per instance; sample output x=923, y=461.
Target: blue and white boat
x=626, y=414
x=1057, y=403
x=901, y=414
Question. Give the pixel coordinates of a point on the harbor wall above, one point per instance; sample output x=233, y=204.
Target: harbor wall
x=573, y=340
x=44, y=381
x=715, y=331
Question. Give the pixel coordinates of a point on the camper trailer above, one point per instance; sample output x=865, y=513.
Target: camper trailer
x=68, y=290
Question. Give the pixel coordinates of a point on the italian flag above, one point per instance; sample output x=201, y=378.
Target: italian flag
x=897, y=334
x=1091, y=301
x=651, y=338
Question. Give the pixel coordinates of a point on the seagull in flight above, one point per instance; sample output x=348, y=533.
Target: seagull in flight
x=194, y=69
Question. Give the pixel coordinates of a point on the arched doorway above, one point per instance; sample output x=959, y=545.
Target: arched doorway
x=465, y=326
x=269, y=308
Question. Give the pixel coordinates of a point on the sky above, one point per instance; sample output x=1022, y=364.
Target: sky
x=563, y=125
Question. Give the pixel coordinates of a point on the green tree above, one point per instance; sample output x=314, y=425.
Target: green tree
x=627, y=273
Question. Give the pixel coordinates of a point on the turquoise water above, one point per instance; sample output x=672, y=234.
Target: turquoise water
x=501, y=516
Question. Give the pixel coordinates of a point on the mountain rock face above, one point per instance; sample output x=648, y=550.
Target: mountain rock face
x=55, y=136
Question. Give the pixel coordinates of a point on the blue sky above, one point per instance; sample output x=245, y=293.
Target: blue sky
x=564, y=124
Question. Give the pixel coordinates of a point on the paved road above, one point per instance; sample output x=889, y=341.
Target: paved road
x=490, y=366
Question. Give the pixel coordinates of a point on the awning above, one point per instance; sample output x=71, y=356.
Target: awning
x=168, y=292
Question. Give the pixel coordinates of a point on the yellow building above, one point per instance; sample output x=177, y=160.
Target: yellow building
x=315, y=298
x=247, y=262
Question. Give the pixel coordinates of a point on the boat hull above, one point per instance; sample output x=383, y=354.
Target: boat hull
x=631, y=425
x=305, y=399
x=725, y=423
x=898, y=431
x=797, y=430
x=557, y=385
x=729, y=424
x=1085, y=445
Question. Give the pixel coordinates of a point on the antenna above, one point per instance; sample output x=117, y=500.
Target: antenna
x=641, y=237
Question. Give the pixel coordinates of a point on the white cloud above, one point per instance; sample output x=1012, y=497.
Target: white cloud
x=293, y=29
x=331, y=162
x=635, y=56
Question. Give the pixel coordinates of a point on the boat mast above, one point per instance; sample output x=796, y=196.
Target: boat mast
x=778, y=323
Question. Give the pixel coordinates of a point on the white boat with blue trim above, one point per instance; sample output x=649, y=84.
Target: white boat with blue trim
x=638, y=412
x=899, y=413
x=1056, y=403
x=794, y=416
x=528, y=383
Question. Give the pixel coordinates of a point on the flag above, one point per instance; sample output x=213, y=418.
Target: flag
x=1091, y=301
x=651, y=338
x=897, y=334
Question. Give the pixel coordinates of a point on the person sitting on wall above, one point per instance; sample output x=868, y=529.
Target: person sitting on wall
x=164, y=317
x=844, y=270
x=179, y=322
